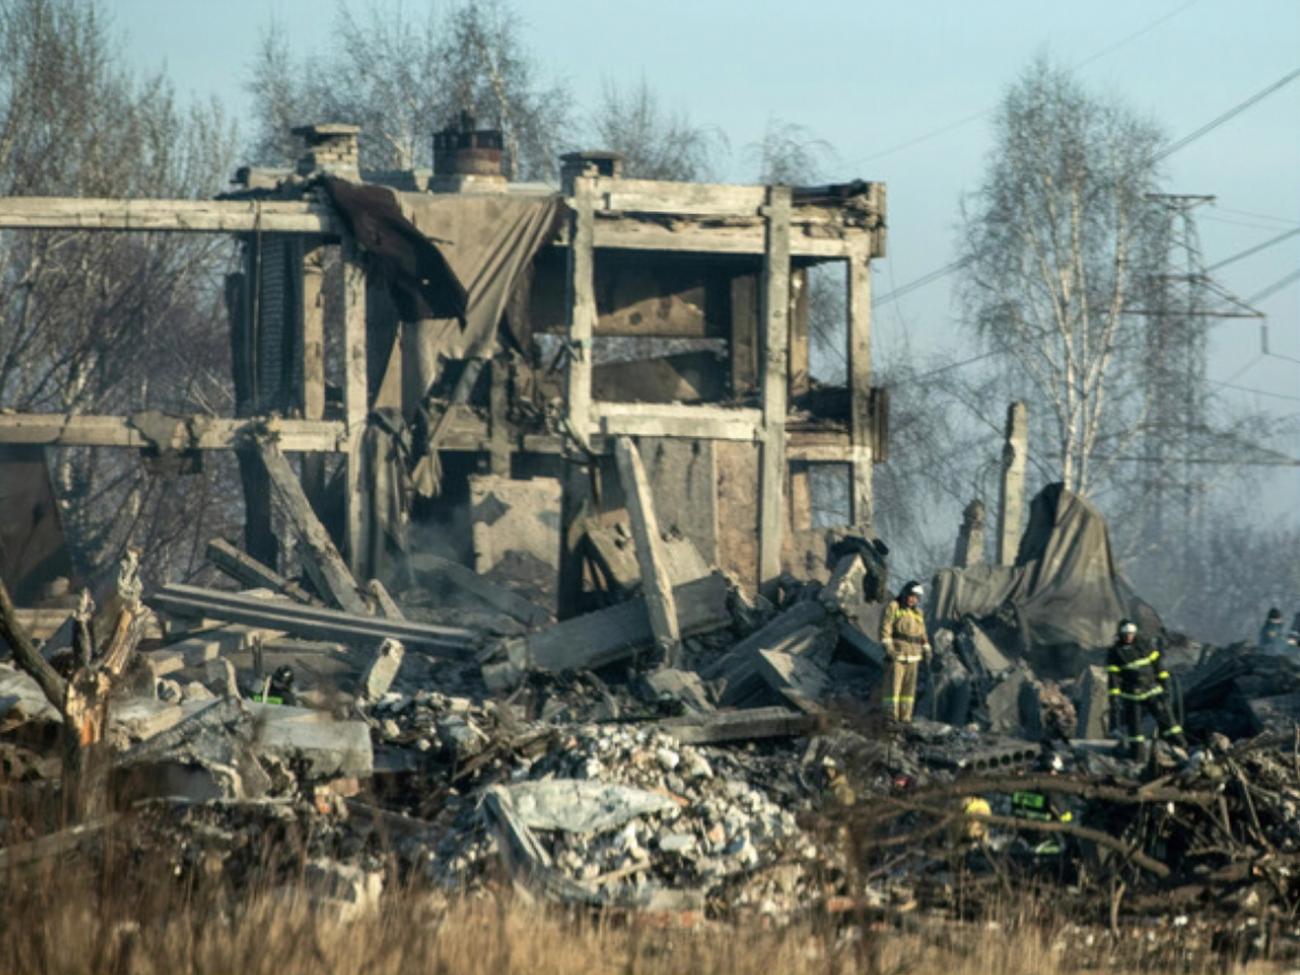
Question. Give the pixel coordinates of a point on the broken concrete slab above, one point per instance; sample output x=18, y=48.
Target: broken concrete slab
x=792, y=674
x=683, y=686
x=198, y=649
x=583, y=805
x=618, y=632
x=382, y=670
x=1003, y=702
x=1093, y=703
x=743, y=725
x=993, y=660
x=737, y=671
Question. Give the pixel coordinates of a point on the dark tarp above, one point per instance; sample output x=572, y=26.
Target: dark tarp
x=33, y=552
x=451, y=256
x=1063, y=588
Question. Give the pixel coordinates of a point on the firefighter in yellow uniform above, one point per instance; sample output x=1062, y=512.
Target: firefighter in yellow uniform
x=902, y=632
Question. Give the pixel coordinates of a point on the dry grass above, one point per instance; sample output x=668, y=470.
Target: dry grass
x=138, y=919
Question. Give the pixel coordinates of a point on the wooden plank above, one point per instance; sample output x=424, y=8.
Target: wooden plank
x=580, y=292
x=663, y=196
x=656, y=586
x=248, y=571
x=776, y=336
x=619, y=632
x=196, y=432
x=330, y=569
x=744, y=334
x=676, y=420
x=859, y=373
x=689, y=237
x=311, y=350
x=356, y=404
x=193, y=216
x=309, y=622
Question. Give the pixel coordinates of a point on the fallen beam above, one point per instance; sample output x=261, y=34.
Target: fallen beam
x=312, y=623
x=330, y=569
x=609, y=635
x=196, y=432
x=245, y=569
x=743, y=725
x=192, y=216
x=498, y=597
x=656, y=587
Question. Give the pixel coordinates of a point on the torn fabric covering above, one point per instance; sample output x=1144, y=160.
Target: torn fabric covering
x=451, y=256
x=33, y=550
x=1063, y=584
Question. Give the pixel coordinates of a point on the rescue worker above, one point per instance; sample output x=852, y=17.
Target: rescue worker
x=1271, y=634
x=1137, y=683
x=902, y=632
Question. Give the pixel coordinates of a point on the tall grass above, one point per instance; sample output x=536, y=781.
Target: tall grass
x=128, y=914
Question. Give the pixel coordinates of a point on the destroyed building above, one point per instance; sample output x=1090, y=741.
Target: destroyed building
x=590, y=411
x=496, y=337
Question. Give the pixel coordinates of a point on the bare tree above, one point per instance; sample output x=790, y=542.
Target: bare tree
x=108, y=323
x=1048, y=250
x=400, y=78
x=656, y=142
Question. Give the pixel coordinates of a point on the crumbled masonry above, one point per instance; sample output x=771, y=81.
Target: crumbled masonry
x=753, y=777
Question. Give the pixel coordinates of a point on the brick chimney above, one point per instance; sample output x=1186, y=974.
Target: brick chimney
x=590, y=162
x=466, y=158
x=331, y=147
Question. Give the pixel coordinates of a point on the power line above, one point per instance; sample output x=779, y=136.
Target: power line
x=1227, y=116
x=1251, y=389
x=1273, y=288
x=964, y=120
x=1165, y=153
x=1254, y=250
x=1259, y=216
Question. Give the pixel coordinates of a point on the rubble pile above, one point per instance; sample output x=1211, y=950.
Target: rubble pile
x=747, y=768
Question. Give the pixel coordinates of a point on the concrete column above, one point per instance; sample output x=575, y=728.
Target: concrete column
x=1011, y=496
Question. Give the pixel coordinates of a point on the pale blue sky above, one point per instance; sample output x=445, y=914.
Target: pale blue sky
x=870, y=76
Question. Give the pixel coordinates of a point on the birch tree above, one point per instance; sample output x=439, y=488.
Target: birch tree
x=1053, y=241
x=401, y=76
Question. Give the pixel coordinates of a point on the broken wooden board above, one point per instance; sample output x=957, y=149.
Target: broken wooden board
x=310, y=622
x=245, y=569
x=498, y=597
x=744, y=725
x=329, y=568
x=656, y=586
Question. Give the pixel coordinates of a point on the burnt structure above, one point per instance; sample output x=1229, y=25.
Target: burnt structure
x=497, y=338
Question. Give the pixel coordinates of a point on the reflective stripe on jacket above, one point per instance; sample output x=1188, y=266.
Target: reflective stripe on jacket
x=902, y=631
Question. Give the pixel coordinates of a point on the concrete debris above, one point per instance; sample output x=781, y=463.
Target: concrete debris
x=382, y=670
x=597, y=773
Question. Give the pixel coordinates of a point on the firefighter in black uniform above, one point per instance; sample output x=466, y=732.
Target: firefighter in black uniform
x=1137, y=683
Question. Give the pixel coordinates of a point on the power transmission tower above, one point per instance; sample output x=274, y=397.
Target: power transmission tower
x=1179, y=302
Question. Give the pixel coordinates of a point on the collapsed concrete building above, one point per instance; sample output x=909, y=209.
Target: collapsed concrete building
x=466, y=350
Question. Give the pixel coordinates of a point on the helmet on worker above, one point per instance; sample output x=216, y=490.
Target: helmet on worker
x=1127, y=631
x=911, y=593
